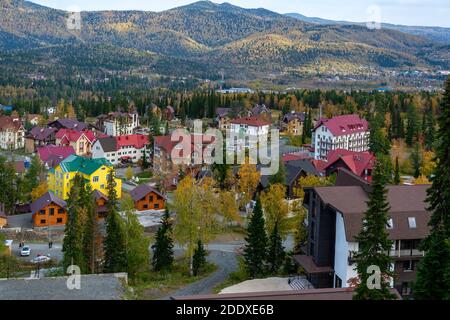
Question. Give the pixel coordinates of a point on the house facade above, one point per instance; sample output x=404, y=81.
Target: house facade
x=348, y=132
x=38, y=137
x=80, y=141
x=293, y=123
x=119, y=123
x=12, y=133
x=335, y=217
x=130, y=148
x=94, y=171
x=147, y=198
x=49, y=210
x=100, y=202
x=247, y=129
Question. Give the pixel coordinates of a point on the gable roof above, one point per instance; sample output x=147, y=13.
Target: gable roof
x=138, y=141
x=357, y=162
x=99, y=195
x=251, y=121
x=74, y=135
x=74, y=163
x=259, y=109
x=109, y=144
x=45, y=200
x=343, y=125
x=293, y=169
x=222, y=112
x=142, y=190
x=69, y=124
x=404, y=201
x=7, y=122
x=294, y=115
x=39, y=133
x=51, y=151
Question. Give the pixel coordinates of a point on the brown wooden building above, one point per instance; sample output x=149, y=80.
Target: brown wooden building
x=49, y=210
x=100, y=201
x=148, y=198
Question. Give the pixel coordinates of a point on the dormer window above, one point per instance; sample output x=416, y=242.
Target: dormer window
x=412, y=222
x=390, y=224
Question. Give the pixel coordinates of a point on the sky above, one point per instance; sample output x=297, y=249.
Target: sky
x=407, y=12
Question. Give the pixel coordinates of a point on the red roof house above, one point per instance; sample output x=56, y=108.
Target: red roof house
x=360, y=163
x=81, y=141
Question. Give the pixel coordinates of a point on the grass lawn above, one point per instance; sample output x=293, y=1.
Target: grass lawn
x=153, y=285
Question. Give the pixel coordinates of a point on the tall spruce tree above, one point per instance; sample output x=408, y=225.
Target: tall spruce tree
x=199, y=259
x=90, y=228
x=430, y=129
x=255, y=251
x=276, y=254
x=280, y=176
x=73, y=235
x=433, y=281
x=163, y=246
x=373, y=242
x=396, y=172
x=115, y=242
x=416, y=158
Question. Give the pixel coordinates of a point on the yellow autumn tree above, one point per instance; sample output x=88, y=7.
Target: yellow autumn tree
x=39, y=191
x=428, y=164
x=129, y=173
x=248, y=181
x=421, y=180
x=276, y=209
x=228, y=206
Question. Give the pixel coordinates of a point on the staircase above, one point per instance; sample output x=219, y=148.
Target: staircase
x=300, y=283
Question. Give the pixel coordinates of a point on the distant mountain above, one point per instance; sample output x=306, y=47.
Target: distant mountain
x=203, y=38
x=438, y=34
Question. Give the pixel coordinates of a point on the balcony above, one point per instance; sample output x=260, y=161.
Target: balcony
x=403, y=253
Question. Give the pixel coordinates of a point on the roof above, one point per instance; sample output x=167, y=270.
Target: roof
x=294, y=156
x=223, y=112
x=357, y=162
x=307, y=294
x=293, y=169
x=259, y=109
x=74, y=163
x=93, y=287
x=51, y=152
x=99, y=195
x=404, y=201
x=165, y=143
x=69, y=124
x=251, y=121
x=294, y=115
x=74, y=135
x=39, y=133
x=109, y=144
x=7, y=122
x=138, y=141
x=343, y=125
x=45, y=200
x=142, y=190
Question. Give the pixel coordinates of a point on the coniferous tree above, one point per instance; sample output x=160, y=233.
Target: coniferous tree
x=373, y=243
x=378, y=142
x=255, y=251
x=433, y=276
x=430, y=128
x=90, y=228
x=280, y=176
x=73, y=234
x=412, y=127
x=276, y=253
x=396, y=172
x=199, y=259
x=163, y=246
x=416, y=160
x=115, y=242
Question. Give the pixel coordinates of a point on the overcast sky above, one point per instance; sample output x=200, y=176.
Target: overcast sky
x=408, y=12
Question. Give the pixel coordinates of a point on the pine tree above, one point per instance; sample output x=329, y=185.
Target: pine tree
x=163, y=246
x=90, y=228
x=255, y=251
x=280, y=176
x=115, y=242
x=378, y=142
x=416, y=158
x=373, y=242
x=276, y=254
x=412, y=127
x=433, y=281
x=73, y=234
x=429, y=132
x=199, y=259
x=396, y=172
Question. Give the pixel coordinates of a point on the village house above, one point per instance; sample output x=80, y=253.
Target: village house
x=12, y=133
x=81, y=141
x=168, y=113
x=118, y=123
x=52, y=155
x=49, y=210
x=359, y=163
x=38, y=137
x=335, y=217
x=223, y=118
x=122, y=149
x=94, y=171
x=293, y=123
x=247, y=128
x=70, y=124
x=100, y=205
x=348, y=132
x=147, y=198
x=261, y=111
x=33, y=119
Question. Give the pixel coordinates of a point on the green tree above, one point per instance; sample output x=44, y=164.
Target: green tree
x=412, y=127
x=416, y=158
x=378, y=142
x=280, y=176
x=373, y=242
x=396, y=172
x=8, y=182
x=430, y=129
x=115, y=241
x=163, y=246
x=90, y=228
x=434, y=269
x=255, y=251
x=276, y=254
x=33, y=175
x=199, y=260
x=73, y=235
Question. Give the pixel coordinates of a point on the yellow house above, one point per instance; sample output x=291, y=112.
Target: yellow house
x=94, y=171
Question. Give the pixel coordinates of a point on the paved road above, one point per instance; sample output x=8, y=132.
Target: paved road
x=39, y=248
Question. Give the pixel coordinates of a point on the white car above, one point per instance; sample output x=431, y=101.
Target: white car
x=25, y=252
x=41, y=259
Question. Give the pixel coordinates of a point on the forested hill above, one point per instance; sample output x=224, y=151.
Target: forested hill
x=216, y=37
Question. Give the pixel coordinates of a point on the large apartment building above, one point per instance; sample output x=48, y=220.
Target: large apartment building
x=348, y=132
x=335, y=216
x=119, y=123
x=122, y=149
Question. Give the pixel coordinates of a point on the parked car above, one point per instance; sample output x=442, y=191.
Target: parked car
x=25, y=251
x=41, y=259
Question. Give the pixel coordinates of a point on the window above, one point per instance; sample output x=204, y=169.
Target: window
x=412, y=222
x=406, y=289
x=102, y=186
x=390, y=224
x=95, y=179
x=156, y=206
x=52, y=211
x=60, y=211
x=59, y=220
x=337, y=282
x=408, y=265
x=145, y=206
x=150, y=198
x=43, y=221
x=42, y=212
x=67, y=176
